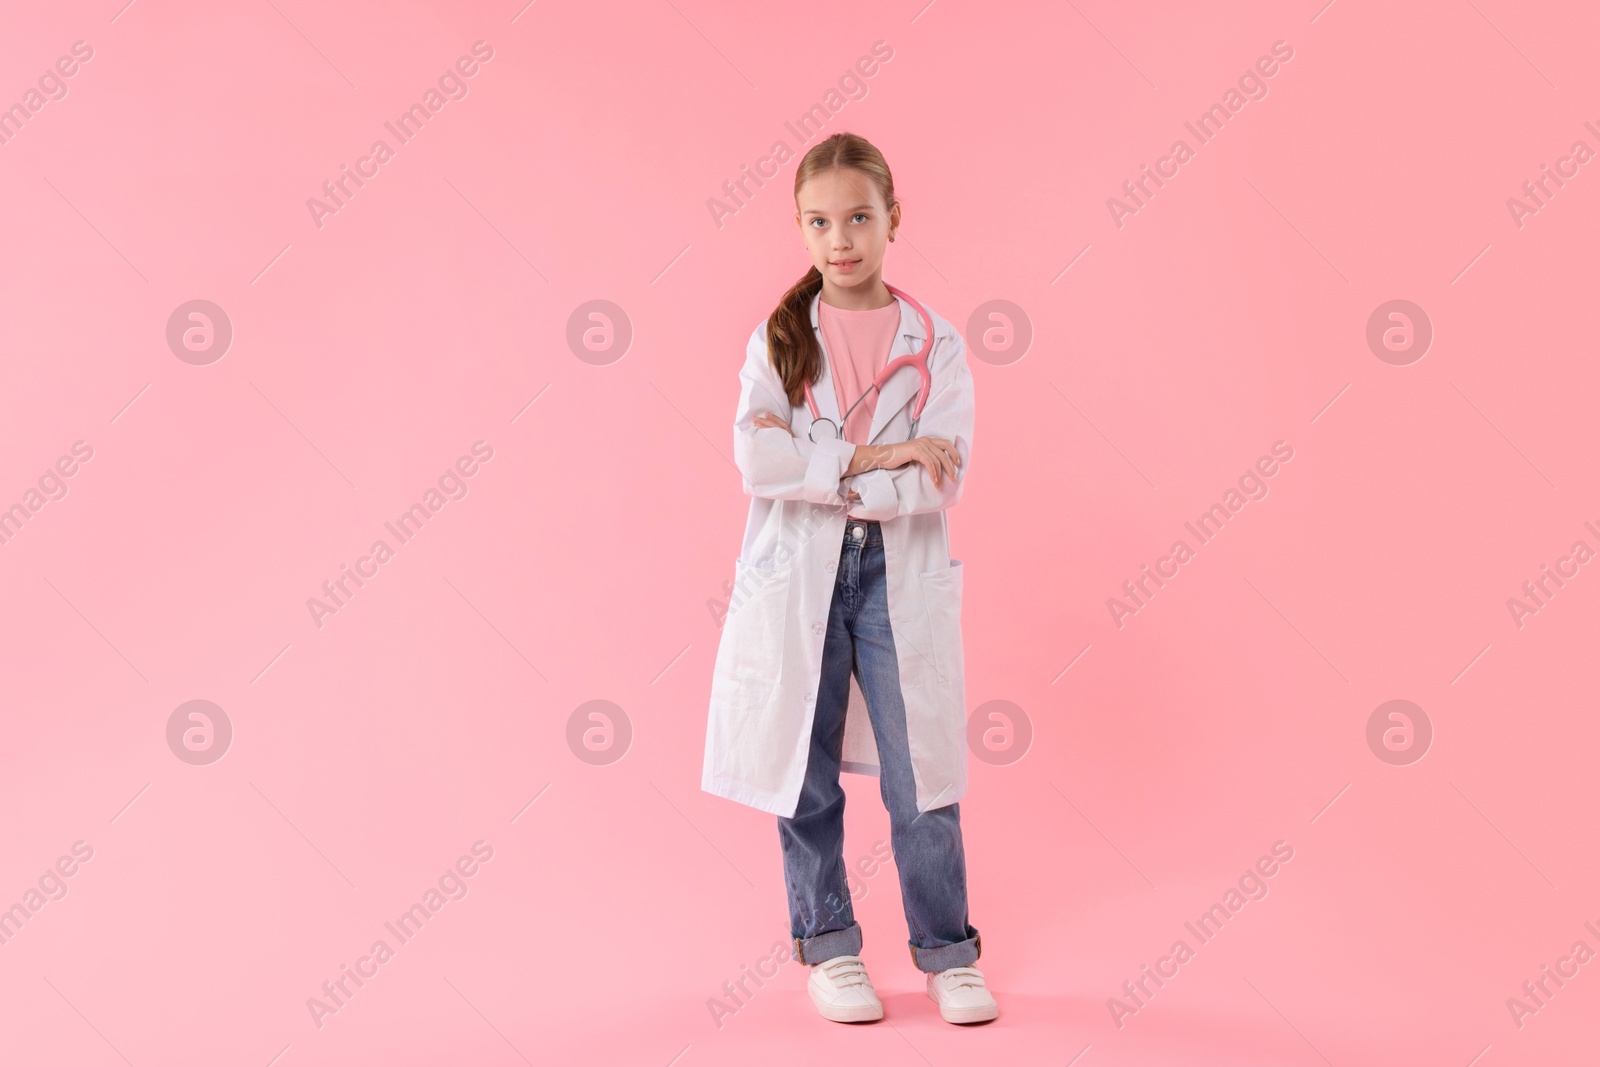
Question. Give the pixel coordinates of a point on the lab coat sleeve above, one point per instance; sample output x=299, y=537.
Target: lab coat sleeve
x=773, y=462
x=909, y=490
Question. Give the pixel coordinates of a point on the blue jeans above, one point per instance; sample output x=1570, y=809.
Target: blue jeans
x=927, y=845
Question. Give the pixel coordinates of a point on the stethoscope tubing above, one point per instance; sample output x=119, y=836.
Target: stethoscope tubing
x=917, y=361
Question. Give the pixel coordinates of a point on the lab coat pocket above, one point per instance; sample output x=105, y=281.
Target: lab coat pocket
x=755, y=632
x=941, y=594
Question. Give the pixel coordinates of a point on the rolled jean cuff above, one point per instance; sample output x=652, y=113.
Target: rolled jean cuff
x=828, y=944
x=961, y=954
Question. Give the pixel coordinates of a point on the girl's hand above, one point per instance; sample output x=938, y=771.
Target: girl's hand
x=767, y=420
x=935, y=453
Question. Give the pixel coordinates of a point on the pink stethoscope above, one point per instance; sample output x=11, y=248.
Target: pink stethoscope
x=918, y=361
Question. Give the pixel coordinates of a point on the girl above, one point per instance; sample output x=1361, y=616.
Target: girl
x=842, y=644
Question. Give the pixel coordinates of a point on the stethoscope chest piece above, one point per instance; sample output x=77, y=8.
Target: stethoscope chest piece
x=834, y=426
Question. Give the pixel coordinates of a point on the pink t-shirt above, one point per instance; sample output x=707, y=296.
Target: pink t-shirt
x=858, y=344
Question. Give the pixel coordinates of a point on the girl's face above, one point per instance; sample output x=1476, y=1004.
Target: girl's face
x=847, y=228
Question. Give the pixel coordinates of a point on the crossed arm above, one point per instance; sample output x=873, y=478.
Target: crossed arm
x=936, y=454
x=882, y=481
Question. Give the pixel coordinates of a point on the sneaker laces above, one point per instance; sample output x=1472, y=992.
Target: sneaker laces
x=845, y=971
x=958, y=977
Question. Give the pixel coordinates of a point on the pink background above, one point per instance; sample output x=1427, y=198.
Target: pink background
x=433, y=309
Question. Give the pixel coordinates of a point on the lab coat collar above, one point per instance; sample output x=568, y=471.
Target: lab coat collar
x=899, y=389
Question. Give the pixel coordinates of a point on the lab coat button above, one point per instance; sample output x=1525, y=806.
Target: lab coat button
x=831, y=565
x=817, y=628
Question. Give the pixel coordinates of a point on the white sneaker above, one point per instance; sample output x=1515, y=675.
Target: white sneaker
x=961, y=995
x=842, y=991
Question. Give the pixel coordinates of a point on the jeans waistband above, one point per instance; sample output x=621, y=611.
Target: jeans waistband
x=871, y=532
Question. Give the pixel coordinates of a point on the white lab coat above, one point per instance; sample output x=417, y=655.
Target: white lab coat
x=769, y=658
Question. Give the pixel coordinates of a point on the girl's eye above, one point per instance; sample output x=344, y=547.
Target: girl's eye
x=859, y=215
